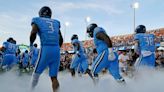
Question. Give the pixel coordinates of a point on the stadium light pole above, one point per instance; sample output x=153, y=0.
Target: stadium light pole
x=87, y=20
x=66, y=25
x=135, y=6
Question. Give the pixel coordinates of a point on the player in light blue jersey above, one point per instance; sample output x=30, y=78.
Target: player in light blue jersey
x=106, y=57
x=34, y=55
x=18, y=56
x=9, y=53
x=25, y=59
x=80, y=62
x=1, y=58
x=51, y=40
x=145, y=47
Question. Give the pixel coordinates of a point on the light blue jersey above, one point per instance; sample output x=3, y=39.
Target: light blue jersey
x=100, y=45
x=146, y=49
x=18, y=59
x=81, y=48
x=50, y=49
x=9, y=54
x=101, y=60
x=80, y=59
x=34, y=56
x=25, y=59
x=146, y=42
x=48, y=30
x=10, y=48
x=1, y=57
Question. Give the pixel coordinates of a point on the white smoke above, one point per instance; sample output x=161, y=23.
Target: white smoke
x=145, y=81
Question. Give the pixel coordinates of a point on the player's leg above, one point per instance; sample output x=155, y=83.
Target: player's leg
x=39, y=68
x=114, y=70
x=54, y=68
x=80, y=70
x=8, y=59
x=33, y=61
x=35, y=79
x=74, y=65
x=149, y=61
x=55, y=83
x=99, y=63
x=84, y=65
x=5, y=62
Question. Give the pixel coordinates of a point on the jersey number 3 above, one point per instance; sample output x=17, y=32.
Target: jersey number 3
x=50, y=23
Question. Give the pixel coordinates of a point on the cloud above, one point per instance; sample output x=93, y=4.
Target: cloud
x=16, y=19
x=70, y=6
x=75, y=12
x=14, y=25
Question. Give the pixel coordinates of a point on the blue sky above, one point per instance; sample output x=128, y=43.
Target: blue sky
x=115, y=16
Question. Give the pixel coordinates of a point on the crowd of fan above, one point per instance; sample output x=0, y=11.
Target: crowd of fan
x=127, y=40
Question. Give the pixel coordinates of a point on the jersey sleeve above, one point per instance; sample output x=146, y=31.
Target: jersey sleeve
x=17, y=48
x=5, y=44
x=154, y=36
x=97, y=30
x=136, y=37
x=75, y=41
x=34, y=21
x=59, y=24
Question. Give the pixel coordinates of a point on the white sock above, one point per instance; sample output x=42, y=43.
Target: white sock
x=35, y=79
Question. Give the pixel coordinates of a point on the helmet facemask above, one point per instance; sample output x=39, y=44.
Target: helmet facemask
x=90, y=34
x=90, y=29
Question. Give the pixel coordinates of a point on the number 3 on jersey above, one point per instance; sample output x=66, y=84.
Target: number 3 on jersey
x=50, y=23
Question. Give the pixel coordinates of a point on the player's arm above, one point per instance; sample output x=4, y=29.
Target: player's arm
x=3, y=49
x=154, y=39
x=77, y=45
x=60, y=38
x=105, y=38
x=136, y=45
x=33, y=34
x=4, y=46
